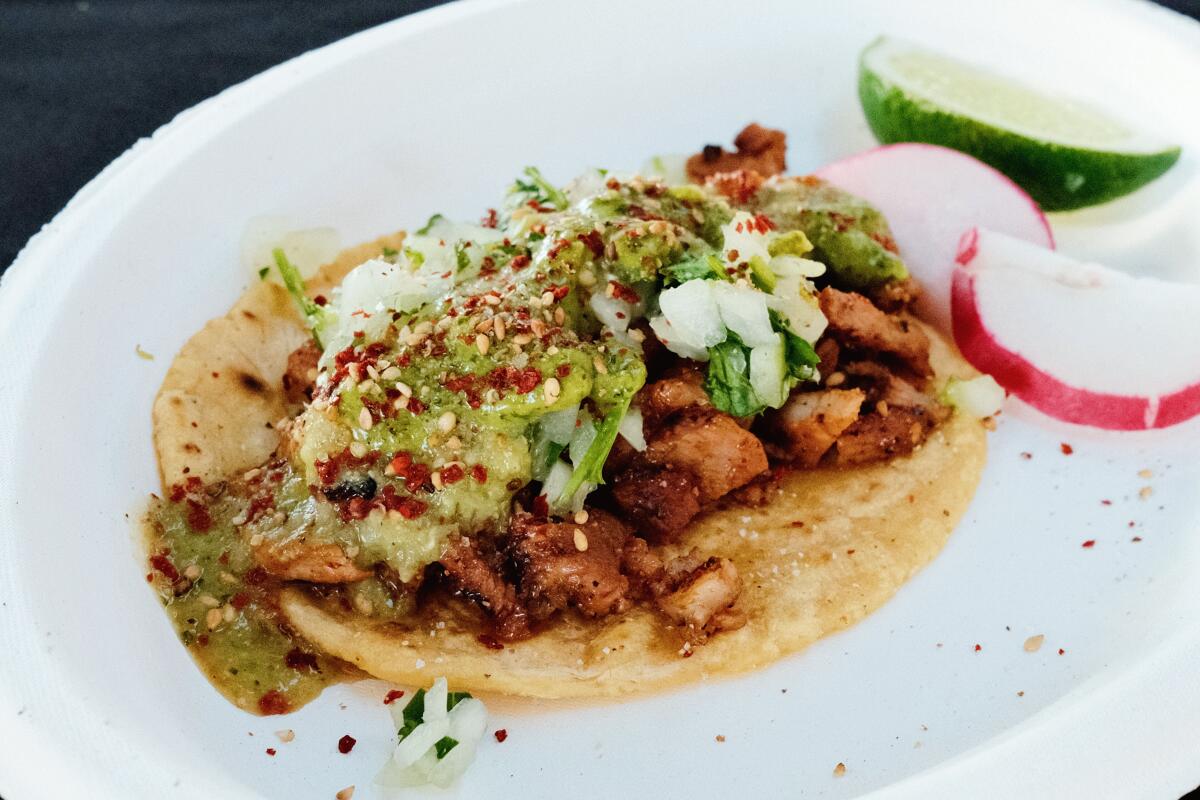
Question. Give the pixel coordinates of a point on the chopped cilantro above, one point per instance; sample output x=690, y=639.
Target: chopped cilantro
x=415, y=257
x=541, y=190
x=313, y=313
x=728, y=378
x=703, y=267
x=444, y=745
x=590, y=468
x=429, y=224
x=454, y=698
x=262, y=273
x=390, y=252
x=414, y=714
x=800, y=356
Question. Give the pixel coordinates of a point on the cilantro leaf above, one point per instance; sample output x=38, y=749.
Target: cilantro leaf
x=542, y=190
x=454, y=698
x=728, y=378
x=429, y=224
x=707, y=268
x=443, y=746
x=801, y=358
x=313, y=313
x=414, y=714
x=590, y=468
x=262, y=273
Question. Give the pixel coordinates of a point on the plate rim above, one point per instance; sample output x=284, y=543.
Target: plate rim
x=1043, y=745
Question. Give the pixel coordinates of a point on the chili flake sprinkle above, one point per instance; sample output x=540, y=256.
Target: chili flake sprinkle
x=346, y=744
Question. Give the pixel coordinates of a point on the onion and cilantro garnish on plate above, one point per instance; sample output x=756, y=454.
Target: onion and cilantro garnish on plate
x=438, y=731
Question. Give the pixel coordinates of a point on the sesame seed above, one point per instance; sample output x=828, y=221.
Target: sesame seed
x=552, y=350
x=547, y=298
x=610, y=290
x=374, y=373
x=209, y=601
x=252, y=474
x=447, y=421
x=192, y=571
x=491, y=395
x=581, y=517
x=485, y=326
x=364, y=419
x=836, y=379
x=491, y=299
x=213, y=617
x=637, y=335
x=1145, y=492
x=538, y=327
x=598, y=363
x=286, y=736
x=551, y=391
x=498, y=329
x=256, y=540
x=279, y=518
x=400, y=403
x=366, y=386
x=1145, y=473
x=560, y=316
x=363, y=604
x=229, y=613
x=587, y=277
x=1033, y=643
x=404, y=389
x=436, y=479
x=454, y=443
x=425, y=327
x=390, y=374
x=522, y=339
x=482, y=343
x=581, y=542
x=414, y=339
x=358, y=449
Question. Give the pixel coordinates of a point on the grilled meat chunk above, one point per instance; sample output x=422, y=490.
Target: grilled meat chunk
x=759, y=149
x=476, y=578
x=296, y=559
x=702, y=602
x=712, y=447
x=561, y=564
x=810, y=422
x=660, y=501
x=858, y=325
x=878, y=436
x=681, y=387
x=301, y=372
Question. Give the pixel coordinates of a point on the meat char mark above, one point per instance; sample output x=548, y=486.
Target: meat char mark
x=810, y=422
x=719, y=453
x=481, y=581
x=660, y=501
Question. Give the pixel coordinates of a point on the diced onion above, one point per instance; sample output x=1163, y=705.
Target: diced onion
x=788, y=264
x=582, y=438
x=675, y=343
x=556, y=481
x=414, y=761
x=631, y=429
x=980, y=397
x=744, y=311
x=612, y=312
x=422, y=738
x=559, y=426
x=747, y=242
x=307, y=248
x=768, y=372
x=671, y=167
x=691, y=308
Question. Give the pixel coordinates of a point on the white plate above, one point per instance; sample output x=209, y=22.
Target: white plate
x=436, y=112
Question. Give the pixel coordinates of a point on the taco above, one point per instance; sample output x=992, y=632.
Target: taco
x=622, y=435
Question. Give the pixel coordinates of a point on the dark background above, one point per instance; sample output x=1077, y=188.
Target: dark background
x=81, y=81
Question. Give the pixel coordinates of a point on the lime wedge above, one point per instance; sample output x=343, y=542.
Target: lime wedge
x=1064, y=153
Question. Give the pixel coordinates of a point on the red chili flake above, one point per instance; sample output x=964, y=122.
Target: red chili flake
x=239, y=600
x=799, y=523
x=1089, y=543
x=528, y=380
x=1136, y=539
x=733, y=254
x=593, y=241
x=163, y=564
x=479, y=473
x=490, y=220
x=298, y=660
x=320, y=300
x=415, y=406
x=978, y=648
x=1061, y=651
x=1066, y=449
x=1026, y=456
x=223, y=558
x=264, y=502
x=501, y=734
x=560, y=291
x=273, y=702
x=177, y=493
x=1106, y=502
x=541, y=507
x=612, y=184
x=623, y=292
x=562, y=370
x=452, y=474
x=886, y=242
x=270, y=751
x=346, y=744
x=392, y=696
x=520, y=261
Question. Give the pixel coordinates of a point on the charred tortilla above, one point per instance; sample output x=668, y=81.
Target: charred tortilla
x=831, y=547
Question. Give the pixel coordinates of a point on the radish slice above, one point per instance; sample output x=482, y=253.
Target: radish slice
x=1081, y=342
x=931, y=195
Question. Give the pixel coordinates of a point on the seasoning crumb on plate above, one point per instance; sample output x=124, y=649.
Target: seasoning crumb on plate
x=286, y=735
x=501, y=734
x=345, y=794
x=720, y=737
x=1034, y=643
x=1066, y=449
x=1089, y=543
x=839, y=770
x=1145, y=492
x=346, y=744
